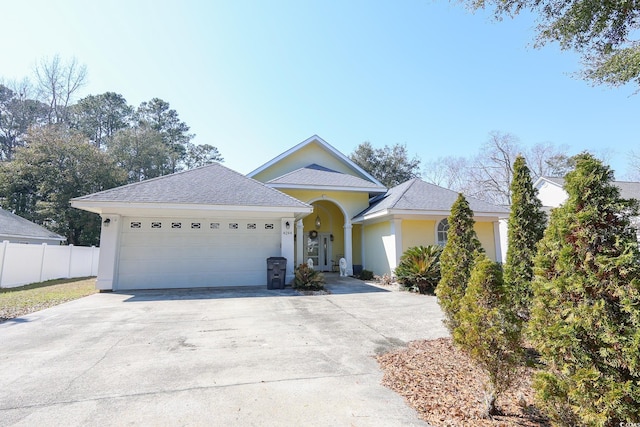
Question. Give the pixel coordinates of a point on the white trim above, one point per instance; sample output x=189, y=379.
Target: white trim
x=326, y=145
x=542, y=179
x=371, y=190
x=416, y=213
x=26, y=236
x=103, y=206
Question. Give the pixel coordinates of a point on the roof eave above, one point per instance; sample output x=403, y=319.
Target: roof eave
x=370, y=190
x=100, y=206
x=422, y=212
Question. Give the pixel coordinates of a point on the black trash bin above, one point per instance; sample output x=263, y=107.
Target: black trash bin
x=276, y=272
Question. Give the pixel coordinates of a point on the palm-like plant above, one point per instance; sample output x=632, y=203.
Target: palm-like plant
x=419, y=268
x=308, y=279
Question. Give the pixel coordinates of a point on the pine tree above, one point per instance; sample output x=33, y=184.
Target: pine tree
x=585, y=317
x=456, y=260
x=488, y=329
x=527, y=222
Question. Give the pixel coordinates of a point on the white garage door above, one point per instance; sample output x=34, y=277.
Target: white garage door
x=185, y=253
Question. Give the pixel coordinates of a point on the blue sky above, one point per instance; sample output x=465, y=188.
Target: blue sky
x=254, y=78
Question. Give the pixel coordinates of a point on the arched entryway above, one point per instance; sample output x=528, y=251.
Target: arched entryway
x=324, y=236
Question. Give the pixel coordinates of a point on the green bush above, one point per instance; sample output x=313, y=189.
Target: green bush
x=585, y=315
x=488, y=329
x=457, y=260
x=419, y=268
x=366, y=275
x=308, y=279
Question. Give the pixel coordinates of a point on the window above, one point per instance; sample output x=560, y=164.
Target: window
x=251, y=226
x=268, y=226
x=214, y=225
x=195, y=225
x=441, y=232
x=136, y=224
x=156, y=225
x=176, y=225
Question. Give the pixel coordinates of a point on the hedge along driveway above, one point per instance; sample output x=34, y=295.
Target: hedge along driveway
x=220, y=357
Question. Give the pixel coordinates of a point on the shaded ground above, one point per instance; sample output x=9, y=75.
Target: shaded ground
x=21, y=300
x=443, y=385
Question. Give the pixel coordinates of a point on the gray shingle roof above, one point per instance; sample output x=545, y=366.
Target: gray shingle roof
x=213, y=184
x=418, y=195
x=14, y=225
x=316, y=175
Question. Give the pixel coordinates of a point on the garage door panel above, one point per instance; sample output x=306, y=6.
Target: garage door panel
x=207, y=257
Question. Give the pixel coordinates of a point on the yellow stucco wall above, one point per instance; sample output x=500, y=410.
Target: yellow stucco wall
x=485, y=233
x=377, y=238
x=416, y=233
x=310, y=153
x=352, y=202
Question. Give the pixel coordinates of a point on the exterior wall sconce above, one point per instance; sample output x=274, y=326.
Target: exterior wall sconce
x=106, y=222
x=331, y=237
x=287, y=225
x=318, y=223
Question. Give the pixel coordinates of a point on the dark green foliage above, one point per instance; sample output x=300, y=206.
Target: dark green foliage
x=585, y=317
x=488, y=329
x=308, y=279
x=56, y=165
x=366, y=275
x=389, y=165
x=527, y=222
x=419, y=268
x=456, y=260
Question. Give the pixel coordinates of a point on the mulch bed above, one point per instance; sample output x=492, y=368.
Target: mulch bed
x=443, y=385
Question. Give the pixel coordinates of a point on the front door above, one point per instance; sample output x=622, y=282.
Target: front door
x=318, y=249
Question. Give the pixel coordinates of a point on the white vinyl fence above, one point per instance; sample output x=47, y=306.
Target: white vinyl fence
x=21, y=264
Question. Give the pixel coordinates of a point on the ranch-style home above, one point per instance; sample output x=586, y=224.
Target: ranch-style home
x=212, y=226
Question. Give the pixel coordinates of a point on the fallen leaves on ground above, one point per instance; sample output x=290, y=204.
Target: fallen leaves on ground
x=447, y=389
x=19, y=301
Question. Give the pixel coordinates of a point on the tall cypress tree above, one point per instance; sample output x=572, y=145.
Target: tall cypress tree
x=457, y=260
x=585, y=317
x=527, y=222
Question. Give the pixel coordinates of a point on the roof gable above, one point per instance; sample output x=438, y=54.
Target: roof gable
x=319, y=176
x=14, y=225
x=313, y=150
x=213, y=184
x=420, y=196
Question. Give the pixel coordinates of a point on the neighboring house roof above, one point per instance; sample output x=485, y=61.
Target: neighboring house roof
x=419, y=197
x=315, y=139
x=213, y=184
x=628, y=189
x=328, y=179
x=12, y=225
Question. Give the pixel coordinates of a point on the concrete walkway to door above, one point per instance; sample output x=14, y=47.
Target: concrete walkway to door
x=243, y=357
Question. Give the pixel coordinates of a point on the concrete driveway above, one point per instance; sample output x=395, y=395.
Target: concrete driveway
x=247, y=357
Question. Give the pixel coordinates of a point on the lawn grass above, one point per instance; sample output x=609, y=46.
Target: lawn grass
x=16, y=302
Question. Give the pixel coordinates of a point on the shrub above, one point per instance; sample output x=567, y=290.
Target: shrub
x=488, y=329
x=419, y=268
x=366, y=275
x=308, y=279
x=456, y=260
x=585, y=316
x=527, y=222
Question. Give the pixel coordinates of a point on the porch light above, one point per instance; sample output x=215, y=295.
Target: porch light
x=331, y=237
x=318, y=223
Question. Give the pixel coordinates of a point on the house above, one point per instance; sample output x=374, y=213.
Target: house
x=552, y=194
x=16, y=229
x=212, y=226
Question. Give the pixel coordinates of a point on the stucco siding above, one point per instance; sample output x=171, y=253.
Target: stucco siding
x=485, y=233
x=352, y=202
x=416, y=233
x=379, y=244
